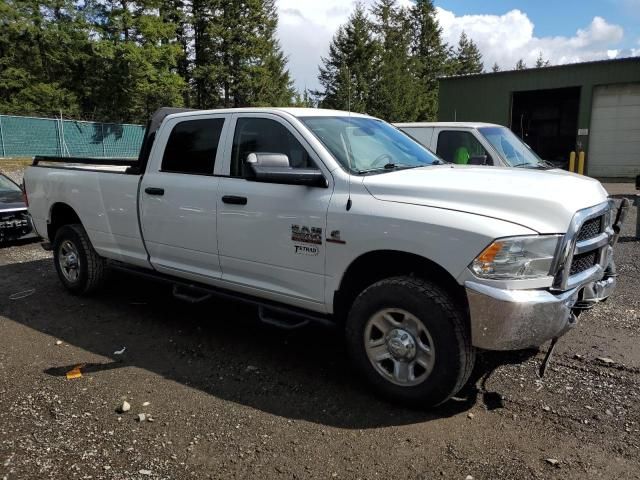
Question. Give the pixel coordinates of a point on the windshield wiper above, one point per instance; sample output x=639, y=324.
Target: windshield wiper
x=388, y=167
x=537, y=166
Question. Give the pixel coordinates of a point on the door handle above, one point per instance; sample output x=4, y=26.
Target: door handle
x=154, y=191
x=235, y=200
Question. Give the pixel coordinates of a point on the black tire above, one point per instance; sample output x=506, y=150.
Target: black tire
x=91, y=268
x=449, y=333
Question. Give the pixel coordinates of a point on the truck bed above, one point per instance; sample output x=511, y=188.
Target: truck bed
x=114, y=165
x=102, y=192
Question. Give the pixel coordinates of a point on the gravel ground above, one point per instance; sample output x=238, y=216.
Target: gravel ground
x=230, y=398
x=14, y=169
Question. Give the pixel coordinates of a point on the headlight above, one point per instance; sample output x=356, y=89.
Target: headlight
x=517, y=258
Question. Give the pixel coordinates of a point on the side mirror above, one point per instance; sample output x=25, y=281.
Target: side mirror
x=478, y=160
x=268, y=160
x=275, y=168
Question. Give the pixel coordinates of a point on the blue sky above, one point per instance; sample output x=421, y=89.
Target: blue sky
x=561, y=17
x=563, y=31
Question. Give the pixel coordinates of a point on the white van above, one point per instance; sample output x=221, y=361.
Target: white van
x=474, y=143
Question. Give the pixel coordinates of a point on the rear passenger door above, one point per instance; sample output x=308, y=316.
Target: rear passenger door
x=461, y=147
x=178, y=197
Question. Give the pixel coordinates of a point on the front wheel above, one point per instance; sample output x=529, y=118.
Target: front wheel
x=409, y=339
x=80, y=269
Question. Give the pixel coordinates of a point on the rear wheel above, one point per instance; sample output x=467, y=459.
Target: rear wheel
x=410, y=340
x=80, y=269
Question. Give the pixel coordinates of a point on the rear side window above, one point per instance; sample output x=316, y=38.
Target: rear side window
x=421, y=134
x=192, y=147
x=457, y=146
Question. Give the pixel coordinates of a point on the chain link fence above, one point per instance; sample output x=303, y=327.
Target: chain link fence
x=29, y=136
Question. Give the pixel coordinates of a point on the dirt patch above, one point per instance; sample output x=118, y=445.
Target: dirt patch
x=231, y=398
x=14, y=167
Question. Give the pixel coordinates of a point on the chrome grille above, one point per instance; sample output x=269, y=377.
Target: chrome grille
x=14, y=224
x=591, y=228
x=585, y=250
x=582, y=262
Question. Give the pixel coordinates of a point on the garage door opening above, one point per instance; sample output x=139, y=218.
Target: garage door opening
x=547, y=120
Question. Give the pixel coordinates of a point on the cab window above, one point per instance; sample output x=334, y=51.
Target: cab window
x=263, y=135
x=192, y=147
x=420, y=134
x=458, y=146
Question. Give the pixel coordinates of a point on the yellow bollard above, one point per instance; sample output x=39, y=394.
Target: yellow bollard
x=572, y=162
x=581, y=163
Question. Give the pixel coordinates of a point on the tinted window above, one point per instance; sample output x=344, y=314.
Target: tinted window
x=7, y=185
x=261, y=135
x=458, y=147
x=192, y=147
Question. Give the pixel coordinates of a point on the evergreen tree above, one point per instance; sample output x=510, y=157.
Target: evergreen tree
x=468, y=57
x=238, y=60
x=430, y=55
x=119, y=60
x=177, y=13
x=346, y=74
x=541, y=62
x=133, y=67
x=304, y=99
x=520, y=65
x=43, y=48
x=495, y=68
x=395, y=89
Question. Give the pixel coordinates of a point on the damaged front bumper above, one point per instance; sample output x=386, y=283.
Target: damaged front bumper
x=515, y=319
x=15, y=224
x=503, y=319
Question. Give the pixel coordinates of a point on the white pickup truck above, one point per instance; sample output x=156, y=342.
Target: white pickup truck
x=318, y=215
x=474, y=143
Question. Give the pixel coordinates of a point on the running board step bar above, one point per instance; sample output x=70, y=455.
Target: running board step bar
x=190, y=294
x=281, y=319
x=271, y=313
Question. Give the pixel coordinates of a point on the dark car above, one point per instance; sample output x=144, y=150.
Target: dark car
x=15, y=222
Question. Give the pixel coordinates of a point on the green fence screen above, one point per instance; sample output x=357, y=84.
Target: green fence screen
x=29, y=136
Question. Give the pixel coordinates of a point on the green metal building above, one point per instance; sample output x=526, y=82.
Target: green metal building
x=592, y=107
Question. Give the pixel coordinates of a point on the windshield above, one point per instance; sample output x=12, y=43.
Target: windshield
x=366, y=145
x=7, y=185
x=511, y=148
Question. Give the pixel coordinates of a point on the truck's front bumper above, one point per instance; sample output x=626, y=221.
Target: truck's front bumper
x=516, y=319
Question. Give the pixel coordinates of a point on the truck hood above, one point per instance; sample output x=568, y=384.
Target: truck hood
x=542, y=200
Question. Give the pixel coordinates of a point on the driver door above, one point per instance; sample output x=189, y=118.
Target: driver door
x=271, y=236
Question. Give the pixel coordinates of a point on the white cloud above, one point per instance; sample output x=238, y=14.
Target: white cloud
x=305, y=30
x=307, y=26
x=507, y=38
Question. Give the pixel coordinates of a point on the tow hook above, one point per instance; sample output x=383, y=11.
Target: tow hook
x=547, y=357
